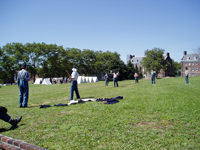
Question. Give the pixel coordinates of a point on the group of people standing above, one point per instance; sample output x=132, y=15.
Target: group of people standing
x=23, y=78
x=115, y=77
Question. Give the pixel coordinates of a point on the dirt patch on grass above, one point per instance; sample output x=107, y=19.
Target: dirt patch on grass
x=160, y=124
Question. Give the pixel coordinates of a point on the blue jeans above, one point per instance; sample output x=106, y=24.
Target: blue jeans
x=136, y=80
x=152, y=79
x=106, y=81
x=115, y=80
x=186, y=79
x=73, y=88
x=23, y=93
x=4, y=116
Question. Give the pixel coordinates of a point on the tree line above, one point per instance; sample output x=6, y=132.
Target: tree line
x=50, y=60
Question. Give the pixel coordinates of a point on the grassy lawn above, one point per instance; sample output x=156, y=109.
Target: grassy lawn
x=161, y=116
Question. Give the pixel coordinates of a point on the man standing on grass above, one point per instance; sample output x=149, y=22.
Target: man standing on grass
x=153, y=75
x=74, y=86
x=106, y=77
x=22, y=81
x=186, y=75
x=115, y=77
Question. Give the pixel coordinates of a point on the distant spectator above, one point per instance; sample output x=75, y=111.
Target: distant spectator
x=136, y=75
x=186, y=75
x=153, y=75
x=106, y=77
x=115, y=77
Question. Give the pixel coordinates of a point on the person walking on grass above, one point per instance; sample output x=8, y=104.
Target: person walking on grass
x=153, y=75
x=74, y=86
x=136, y=77
x=115, y=77
x=106, y=77
x=22, y=81
x=5, y=117
x=186, y=75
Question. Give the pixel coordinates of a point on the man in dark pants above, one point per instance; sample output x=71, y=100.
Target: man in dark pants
x=74, y=87
x=115, y=77
x=5, y=117
x=22, y=81
x=106, y=77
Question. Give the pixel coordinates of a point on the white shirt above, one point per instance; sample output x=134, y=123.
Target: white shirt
x=74, y=75
x=186, y=73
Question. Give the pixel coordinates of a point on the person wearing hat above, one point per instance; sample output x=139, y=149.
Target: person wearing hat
x=22, y=81
x=5, y=117
x=74, y=86
x=115, y=77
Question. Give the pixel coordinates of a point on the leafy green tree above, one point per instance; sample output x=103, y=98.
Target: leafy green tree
x=154, y=60
x=130, y=70
x=7, y=66
x=140, y=73
x=176, y=68
x=118, y=65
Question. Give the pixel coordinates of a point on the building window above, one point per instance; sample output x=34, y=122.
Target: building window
x=186, y=64
x=189, y=74
x=195, y=58
x=192, y=64
x=188, y=58
x=196, y=63
x=189, y=64
x=189, y=69
x=196, y=74
x=196, y=68
x=193, y=74
x=192, y=69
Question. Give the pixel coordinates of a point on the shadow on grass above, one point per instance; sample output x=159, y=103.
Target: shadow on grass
x=11, y=128
x=85, y=97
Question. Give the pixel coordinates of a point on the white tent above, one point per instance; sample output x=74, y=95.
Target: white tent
x=38, y=80
x=79, y=80
x=90, y=79
x=95, y=79
x=83, y=79
x=86, y=79
x=46, y=81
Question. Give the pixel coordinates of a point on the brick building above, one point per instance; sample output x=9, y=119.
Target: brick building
x=192, y=61
x=137, y=61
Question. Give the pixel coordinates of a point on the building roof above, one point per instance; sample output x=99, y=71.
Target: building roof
x=136, y=60
x=190, y=58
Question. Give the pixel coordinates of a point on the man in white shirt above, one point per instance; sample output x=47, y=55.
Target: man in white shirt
x=74, y=87
x=186, y=75
x=115, y=77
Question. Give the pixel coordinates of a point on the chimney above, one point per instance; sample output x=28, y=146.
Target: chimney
x=167, y=54
x=184, y=53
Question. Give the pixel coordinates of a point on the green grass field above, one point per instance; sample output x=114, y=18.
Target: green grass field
x=161, y=116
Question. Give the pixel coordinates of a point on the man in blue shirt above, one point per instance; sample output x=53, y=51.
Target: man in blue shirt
x=22, y=81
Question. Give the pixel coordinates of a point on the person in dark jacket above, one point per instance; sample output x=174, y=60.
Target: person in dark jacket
x=5, y=117
x=106, y=77
x=22, y=81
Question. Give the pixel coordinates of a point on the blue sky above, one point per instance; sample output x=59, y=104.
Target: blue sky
x=124, y=26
